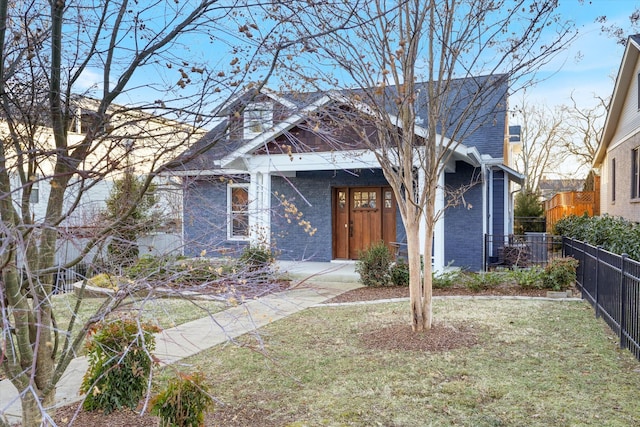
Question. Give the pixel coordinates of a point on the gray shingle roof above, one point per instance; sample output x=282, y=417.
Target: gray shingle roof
x=476, y=109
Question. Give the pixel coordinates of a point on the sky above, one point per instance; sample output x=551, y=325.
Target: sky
x=589, y=65
x=586, y=68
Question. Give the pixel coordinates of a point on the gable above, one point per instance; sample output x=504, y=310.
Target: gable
x=628, y=121
x=623, y=114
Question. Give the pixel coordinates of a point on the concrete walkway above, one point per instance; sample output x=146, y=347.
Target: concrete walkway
x=313, y=283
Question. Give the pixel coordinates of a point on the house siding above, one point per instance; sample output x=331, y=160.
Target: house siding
x=311, y=194
x=463, y=224
x=205, y=218
x=498, y=202
x=623, y=206
x=629, y=119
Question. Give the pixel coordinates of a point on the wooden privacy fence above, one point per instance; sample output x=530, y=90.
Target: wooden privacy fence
x=571, y=203
x=611, y=284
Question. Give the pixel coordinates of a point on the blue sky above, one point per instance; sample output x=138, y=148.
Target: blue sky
x=590, y=63
x=587, y=67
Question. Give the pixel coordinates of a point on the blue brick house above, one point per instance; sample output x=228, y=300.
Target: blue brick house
x=282, y=169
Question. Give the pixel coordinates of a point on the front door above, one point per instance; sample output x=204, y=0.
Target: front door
x=363, y=216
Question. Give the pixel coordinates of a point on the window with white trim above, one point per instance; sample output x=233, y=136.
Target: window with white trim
x=258, y=117
x=635, y=173
x=238, y=211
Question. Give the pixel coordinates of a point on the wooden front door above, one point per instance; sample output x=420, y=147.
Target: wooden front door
x=363, y=216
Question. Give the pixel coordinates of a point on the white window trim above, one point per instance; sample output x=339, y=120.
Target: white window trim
x=230, y=235
x=263, y=112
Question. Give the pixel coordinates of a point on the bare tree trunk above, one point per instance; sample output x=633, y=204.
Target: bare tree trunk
x=415, y=282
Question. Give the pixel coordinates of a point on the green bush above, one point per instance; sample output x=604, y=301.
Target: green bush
x=616, y=235
x=480, y=281
x=257, y=258
x=183, y=402
x=528, y=278
x=374, y=265
x=400, y=273
x=149, y=267
x=445, y=280
x=119, y=364
x=103, y=280
x=560, y=274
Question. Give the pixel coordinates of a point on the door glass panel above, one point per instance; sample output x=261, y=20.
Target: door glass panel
x=342, y=199
x=387, y=199
x=364, y=200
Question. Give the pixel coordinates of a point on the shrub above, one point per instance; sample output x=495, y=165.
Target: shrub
x=119, y=364
x=400, y=273
x=445, y=280
x=257, y=258
x=103, y=280
x=615, y=235
x=480, y=281
x=528, y=278
x=148, y=267
x=183, y=402
x=374, y=265
x=560, y=274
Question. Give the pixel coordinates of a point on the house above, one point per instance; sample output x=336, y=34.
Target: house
x=283, y=170
x=129, y=138
x=618, y=156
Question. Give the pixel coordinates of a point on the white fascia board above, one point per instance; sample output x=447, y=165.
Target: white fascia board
x=208, y=172
x=616, y=103
x=278, y=129
x=358, y=159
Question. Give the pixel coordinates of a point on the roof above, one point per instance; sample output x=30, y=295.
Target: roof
x=621, y=88
x=215, y=150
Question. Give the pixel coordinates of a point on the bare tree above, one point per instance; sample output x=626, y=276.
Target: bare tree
x=394, y=46
x=544, y=134
x=63, y=130
x=585, y=126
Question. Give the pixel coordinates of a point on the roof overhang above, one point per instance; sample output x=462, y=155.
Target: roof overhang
x=616, y=104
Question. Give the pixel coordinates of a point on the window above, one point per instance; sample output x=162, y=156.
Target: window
x=635, y=173
x=238, y=211
x=364, y=200
x=258, y=117
x=613, y=180
x=34, y=197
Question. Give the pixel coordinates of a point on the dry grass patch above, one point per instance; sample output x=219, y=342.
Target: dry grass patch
x=534, y=363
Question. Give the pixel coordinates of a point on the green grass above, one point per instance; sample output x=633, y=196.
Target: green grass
x=537, y=363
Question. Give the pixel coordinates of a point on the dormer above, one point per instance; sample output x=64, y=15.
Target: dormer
x=258, y=117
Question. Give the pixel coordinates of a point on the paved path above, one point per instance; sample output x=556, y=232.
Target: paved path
x=319, y=282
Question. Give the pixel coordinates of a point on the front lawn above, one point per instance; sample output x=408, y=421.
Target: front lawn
x=534, y=363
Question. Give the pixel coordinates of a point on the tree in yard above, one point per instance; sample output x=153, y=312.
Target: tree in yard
x=528, y=209
x=543, y=135
x=585, y=126
x=67, y=72
x=124, y=197
x=384, y=58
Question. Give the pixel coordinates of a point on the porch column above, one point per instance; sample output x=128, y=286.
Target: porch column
x=438, y=236
x=437, y=261
x=260, y=208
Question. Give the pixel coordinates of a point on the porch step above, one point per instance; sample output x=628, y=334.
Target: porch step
x=338, y=272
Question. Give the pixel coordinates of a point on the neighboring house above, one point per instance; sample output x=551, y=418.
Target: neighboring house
x=132, y=137
x=550, y=187
x=283, y=171
x=618, y=156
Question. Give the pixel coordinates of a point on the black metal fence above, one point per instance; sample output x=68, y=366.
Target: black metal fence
x=520, y=250
x=611, y=284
